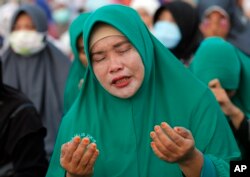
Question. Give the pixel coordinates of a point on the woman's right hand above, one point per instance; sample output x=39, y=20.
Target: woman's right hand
x=78, y=157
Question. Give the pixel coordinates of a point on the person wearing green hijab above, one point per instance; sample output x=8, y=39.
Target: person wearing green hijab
x=135, y=115
x=78, y=67
x=223, y=68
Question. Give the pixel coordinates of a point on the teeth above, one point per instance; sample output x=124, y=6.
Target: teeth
x=121, y=80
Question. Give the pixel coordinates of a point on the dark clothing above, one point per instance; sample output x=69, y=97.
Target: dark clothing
x=186, y=18
x=41, y=76
x=21, y=136
x=243, y=137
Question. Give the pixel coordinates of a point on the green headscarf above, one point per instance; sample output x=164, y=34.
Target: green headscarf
x=77, y=70
x=216, y=58
x=242, y=98
x=121, y=127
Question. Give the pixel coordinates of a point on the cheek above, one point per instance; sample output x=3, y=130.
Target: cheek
x=100, y=73
x=224, y=24
x=137, y=66
x=205, y=23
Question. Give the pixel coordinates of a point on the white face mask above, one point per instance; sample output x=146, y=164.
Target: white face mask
x=26, y=42
x=168, y=33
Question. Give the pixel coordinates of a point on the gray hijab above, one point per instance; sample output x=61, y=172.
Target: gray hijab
x=40, y=76
x=239, y=34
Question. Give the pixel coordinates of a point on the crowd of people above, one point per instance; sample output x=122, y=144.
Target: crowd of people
x=124, y=87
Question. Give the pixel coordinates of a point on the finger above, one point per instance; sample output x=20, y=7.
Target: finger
x=64, y=150
x=219, y=94
x=71, y=147
x=185, y=133
x=163, y=142
x=155, y=139
x=87, y=155
x=175, y=137
x=215, y=83
x=92, y=161
x=157, y=152
x=79, y=152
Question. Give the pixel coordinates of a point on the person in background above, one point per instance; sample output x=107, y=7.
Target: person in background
x=136, y=114
x=36, y=67
x=176, y=26
x=21, y=135
x=215, y=20
x=61, y=14
x=225, y=19
x=246, y=7
x=225, y=69
x=146, y=10
x=6, y=10
x=52, y=31
x=79, y=65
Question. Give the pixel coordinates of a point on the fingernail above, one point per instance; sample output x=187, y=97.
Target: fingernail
x=85, y=140
x=152, y=134
x=157, y=128
x=77, y=139
x=163, y=124
x=177, y=129
x=93, y=145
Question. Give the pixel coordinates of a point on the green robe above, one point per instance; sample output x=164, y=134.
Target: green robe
x=77, y=70
x=216, y=58
x=121, y=127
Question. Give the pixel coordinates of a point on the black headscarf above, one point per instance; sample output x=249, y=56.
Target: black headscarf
x=186, y=17
x=10, y=102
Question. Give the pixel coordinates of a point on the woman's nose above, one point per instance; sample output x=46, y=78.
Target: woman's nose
x=115, y=64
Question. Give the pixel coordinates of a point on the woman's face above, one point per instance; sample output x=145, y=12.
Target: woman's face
x=117, y=66
x=166, y=16
x=146, y=17
x=215, y=24
x=24, y=22
x=81, y=53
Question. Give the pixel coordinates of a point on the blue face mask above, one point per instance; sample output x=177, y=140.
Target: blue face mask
x=61, y=16
x=168, y=33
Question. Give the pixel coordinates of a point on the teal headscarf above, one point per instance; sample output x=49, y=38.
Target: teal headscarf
x=77, y=70
x=121, y=127
x=242, y=98
x=216, y=58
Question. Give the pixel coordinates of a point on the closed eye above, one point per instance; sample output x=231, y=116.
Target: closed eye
x=98, y=57
x=123, y=48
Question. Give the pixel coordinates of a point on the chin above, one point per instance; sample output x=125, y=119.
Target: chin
x=123, y=96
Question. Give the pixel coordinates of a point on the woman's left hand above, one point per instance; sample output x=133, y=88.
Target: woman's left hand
x=172, y=144
x=176, y=145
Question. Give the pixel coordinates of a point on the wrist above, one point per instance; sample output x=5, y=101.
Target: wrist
x=71, y=175
x=192, y=166
x=236, y=113
x=236, y=117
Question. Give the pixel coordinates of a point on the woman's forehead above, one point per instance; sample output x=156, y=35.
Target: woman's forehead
x=100, y=31
x=107, y=42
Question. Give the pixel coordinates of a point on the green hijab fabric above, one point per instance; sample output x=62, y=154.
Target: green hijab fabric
x=121, y=127
x=216, y=58
x=77, y=70
x=242, y=98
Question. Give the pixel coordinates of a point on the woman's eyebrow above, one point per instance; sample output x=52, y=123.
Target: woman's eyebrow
x=97, y=53
x=120, y=43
